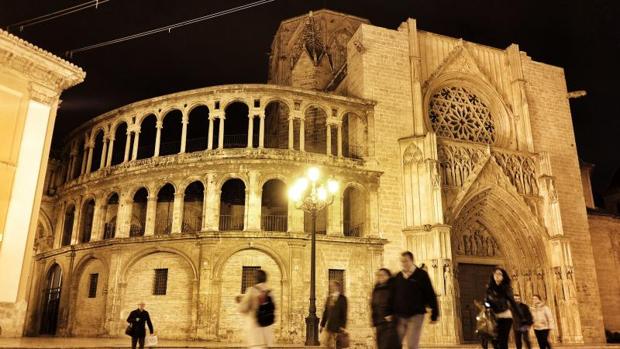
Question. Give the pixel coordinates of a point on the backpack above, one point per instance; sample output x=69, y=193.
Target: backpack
x=265, y=314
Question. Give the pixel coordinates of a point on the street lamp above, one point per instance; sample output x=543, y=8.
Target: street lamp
x=312, y=195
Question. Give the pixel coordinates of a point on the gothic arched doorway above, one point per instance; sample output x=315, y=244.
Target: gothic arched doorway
x=51, y=300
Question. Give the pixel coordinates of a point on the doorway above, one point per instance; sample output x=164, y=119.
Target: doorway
x=51, y=301
x=473, y=279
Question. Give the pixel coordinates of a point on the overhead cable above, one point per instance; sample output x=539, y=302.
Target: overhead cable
x=56, y=14
x=168, y=28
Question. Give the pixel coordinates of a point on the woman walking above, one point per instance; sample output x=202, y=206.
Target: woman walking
x=543, y=322
x=382, y=320
x=501, y=301
x=334, y=319
x=257, y=304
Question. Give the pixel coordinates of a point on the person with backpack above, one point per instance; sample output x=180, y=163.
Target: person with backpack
x=334, y=319
x=258, y=306
x=522, y=326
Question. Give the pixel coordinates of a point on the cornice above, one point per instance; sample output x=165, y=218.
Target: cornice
x=49, y=74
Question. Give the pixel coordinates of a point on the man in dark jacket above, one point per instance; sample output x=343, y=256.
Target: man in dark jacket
x=412, y=293
x=334, y=319
x=136, y=319
x=522, y=325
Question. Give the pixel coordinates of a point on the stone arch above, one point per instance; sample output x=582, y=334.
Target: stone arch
x=274, y=205
x=198, y=124
x=494, y=101
x=119, y=130
x=355, y=214
x=354, y=135
x=230, y=323
x=233, y=205
x=88, y=310
x=165, y=207
x=171, y=121
x=315, y=117
x=147, y=135
x=173, y=312
x=277, y=114
x=51, y=304
x=67, y=224
x=193, y=206
x=236, y=127
x=86, y=222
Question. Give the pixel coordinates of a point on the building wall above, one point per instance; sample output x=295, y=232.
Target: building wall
x=605, y=235
x=379, y=70
x=552, y=131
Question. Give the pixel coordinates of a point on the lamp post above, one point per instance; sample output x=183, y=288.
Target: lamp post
x=312, y=195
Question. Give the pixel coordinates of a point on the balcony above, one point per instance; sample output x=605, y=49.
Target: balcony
x=274, y=223
x=231, y=222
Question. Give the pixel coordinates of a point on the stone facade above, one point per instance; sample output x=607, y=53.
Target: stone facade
x=461, y=153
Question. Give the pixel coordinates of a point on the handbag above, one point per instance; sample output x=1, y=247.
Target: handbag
x=150, y=341
x=342, y=340
x=129, y=330
x=486, y=326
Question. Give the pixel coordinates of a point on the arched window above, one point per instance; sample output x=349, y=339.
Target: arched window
x=315, y=130
x=86, y=228
x=97, y=152
x=146, y=142
x=354, y=212
x=193, y=200
x=171, y=133
x=51, y=300
x=163, y=215
x=109, y=217
x=456, y=112
x=68, y=225
x=236, y=126
x=274, y=206
x=120, y=140
x=232, y=205
x=197, y=129
x=276, y=125
x=138, y=213
x=354, y=137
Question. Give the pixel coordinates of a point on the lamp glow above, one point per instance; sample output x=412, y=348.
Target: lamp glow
x=301, y=185
x=314, y=174
x=332, y=186
x=321, y=193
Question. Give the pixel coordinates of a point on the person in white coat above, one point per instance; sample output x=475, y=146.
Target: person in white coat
x=258, y=335
x=543, y=322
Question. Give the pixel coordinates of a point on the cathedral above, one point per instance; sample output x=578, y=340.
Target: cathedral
x=462, y=153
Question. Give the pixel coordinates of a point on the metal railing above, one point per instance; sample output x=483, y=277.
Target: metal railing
x=231, y=222
x=136, y=230
x=353, y=230
x=191, y=225
x=109, y=230
x=274, y=223
x=163, y=227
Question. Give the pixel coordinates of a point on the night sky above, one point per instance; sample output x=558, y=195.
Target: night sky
x=580, y=36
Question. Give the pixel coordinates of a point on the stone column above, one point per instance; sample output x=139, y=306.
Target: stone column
x=136, y=142
x=158, y=126
x=75, y=231
x=334, y=215
x=127, y=146
x=253, y=203
x=220, y=139
x=295, y=218
x=177, y=212
x=84, y=158
x=102, y=160
x=329, y=139
x=291, y=133
x=203, y=221
x=210, y=137
x=212, y=203
x=151, y=212
x=250, y=130
x=339, y=140
x=89, y=162
x=110, y=151
x=97, y=231
x=261, y=130
x=71, y=166
x=184, y=122
x=373, y=214
x=123, y=221
x=302, y=135
x=205, y=326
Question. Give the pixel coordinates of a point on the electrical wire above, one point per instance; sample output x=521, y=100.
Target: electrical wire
x=53, y=15
x=168, y=28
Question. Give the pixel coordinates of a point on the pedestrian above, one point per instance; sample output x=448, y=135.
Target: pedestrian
x=522, y=326
x=334, y=319
x=501, y=301
x=258, y=307
x=137, y=319
x=412, y=293
x=382, y=319
x=543, y=322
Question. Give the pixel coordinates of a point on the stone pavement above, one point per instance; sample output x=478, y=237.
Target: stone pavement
x=124, y=342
